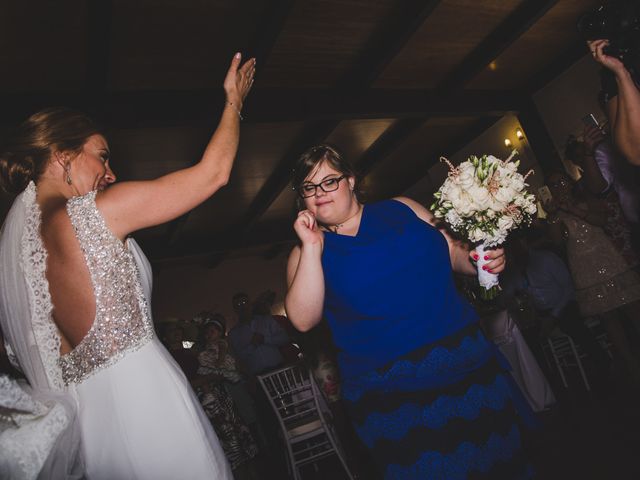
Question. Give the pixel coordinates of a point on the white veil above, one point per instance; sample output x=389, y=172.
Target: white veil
x=52, y=445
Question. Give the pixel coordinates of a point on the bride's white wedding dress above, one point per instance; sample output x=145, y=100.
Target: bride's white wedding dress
x=135, y=414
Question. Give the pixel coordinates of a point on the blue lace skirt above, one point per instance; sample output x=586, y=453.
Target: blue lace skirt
x=447, y=410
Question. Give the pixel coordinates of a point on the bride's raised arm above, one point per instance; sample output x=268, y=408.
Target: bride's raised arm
x=131, y=206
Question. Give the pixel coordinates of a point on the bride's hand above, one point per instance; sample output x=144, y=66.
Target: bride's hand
x=496, y=261
x=307, y=229
x=239, y=80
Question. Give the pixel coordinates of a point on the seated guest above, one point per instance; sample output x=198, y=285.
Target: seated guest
x=172, y=338
x=256, y=339
x=216, y=367
x=262, y=306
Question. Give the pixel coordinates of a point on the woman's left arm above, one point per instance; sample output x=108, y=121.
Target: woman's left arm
x=459, y=251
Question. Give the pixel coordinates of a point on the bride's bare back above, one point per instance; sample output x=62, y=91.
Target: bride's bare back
x=69, y=280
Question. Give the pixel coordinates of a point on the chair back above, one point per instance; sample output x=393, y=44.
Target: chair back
x=293, y=397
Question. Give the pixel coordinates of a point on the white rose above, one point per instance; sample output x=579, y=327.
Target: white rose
x=496, y=205
x=452, y=193
x=480, y=196
x=464, y=206
x=505, y=194
x=517, y=183
x=531, y=208
x=466, y=178
x=505, y=223
x=477, y=235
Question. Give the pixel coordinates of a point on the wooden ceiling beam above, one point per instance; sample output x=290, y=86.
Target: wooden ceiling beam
x=265, y=36
x=180, y=108
x=387, y=42
x=503, y=36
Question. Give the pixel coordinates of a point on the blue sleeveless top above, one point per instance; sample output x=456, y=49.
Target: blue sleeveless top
x=389, y=290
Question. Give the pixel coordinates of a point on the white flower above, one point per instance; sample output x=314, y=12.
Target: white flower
x=464, y=206
x=505, y=194
x=496, y=205
x=505, y=223
x=517, y=183
x=467, y=176
x=452, y=218
x=486, y=199
x=477, y=235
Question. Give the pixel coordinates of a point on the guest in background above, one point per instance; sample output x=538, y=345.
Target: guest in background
x=262, y=306
x=256, y=339
x=173, y=336
x=216, y=367
x=606, y=285
x=621, y=96
x=616, y=182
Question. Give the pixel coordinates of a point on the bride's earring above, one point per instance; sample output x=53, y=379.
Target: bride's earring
x=67, y=171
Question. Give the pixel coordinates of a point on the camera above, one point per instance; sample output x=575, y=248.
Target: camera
x=618, y=22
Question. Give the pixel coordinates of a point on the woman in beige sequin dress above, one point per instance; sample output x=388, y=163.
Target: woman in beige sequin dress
x=75, y=295
x=606, y=285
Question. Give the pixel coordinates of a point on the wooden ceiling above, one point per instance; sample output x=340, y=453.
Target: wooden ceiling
x=393, y=83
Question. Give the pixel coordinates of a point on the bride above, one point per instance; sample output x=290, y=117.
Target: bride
x=74, y=305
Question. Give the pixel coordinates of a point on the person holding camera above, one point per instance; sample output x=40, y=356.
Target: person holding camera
x=621, y=97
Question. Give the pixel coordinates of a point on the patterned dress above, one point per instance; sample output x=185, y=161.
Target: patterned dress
x=235, y=437
x=604, y=279
x=425, y=389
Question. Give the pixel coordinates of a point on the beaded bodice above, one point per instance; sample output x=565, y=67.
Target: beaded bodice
x=592, y=256
x=122, y=322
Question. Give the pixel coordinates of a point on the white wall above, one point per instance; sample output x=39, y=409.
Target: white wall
x=569, y=97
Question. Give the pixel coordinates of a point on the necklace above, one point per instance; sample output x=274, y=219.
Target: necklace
x=337, y=226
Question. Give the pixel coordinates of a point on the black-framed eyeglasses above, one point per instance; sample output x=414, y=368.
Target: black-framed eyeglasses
x=307, y=190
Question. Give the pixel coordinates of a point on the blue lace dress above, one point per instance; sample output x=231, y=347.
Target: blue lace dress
x=425, y=389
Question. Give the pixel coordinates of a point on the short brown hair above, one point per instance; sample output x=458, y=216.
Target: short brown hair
x=316, y=155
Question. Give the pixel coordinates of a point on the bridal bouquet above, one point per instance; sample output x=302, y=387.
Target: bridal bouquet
x=484, y=198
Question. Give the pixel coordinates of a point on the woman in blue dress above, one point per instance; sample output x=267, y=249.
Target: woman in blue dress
x=426, y=392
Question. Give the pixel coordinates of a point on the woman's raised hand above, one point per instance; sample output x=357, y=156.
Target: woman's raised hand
x=597, y=52
x=307, y=229
x=239, y=80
